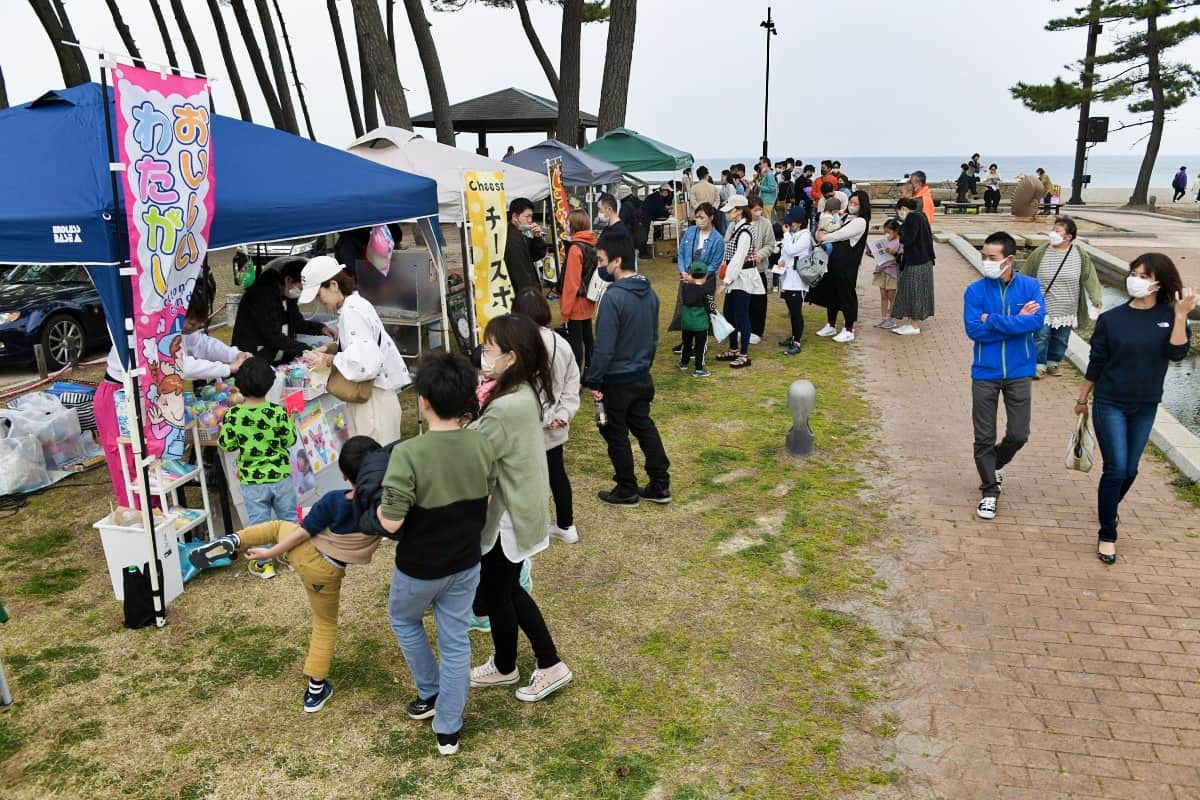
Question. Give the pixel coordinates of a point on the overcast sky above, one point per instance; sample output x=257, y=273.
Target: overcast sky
x=873, y=77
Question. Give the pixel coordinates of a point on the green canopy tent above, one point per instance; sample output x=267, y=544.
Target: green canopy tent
x=633, y=152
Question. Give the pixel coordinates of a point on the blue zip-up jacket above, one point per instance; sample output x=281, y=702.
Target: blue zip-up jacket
x=1004, y=346
x=711, y=254
x=626, y=334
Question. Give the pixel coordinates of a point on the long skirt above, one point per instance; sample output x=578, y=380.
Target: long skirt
x=914, y=296
x=378, y=418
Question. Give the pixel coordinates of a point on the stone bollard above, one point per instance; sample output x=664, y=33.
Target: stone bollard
x=802, y=401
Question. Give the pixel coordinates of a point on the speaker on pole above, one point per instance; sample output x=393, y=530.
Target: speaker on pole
x=1097, y=129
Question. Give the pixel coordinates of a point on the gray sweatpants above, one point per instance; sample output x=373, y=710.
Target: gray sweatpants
x=985, y=402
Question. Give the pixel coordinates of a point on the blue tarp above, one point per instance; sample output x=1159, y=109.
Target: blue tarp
x=579, y=168
x=56, y=198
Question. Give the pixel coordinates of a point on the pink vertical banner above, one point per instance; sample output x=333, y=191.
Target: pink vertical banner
x=164, y=136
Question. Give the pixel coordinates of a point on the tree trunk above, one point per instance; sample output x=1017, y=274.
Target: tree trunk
x=3, y=91
x=381, y=65
x=250, y=40
x=391, y=27
x=70, y=59
x=69, y=36
x=287, y=45
x=1141, y=189
x=339, y=41
x=165, y=33
x=124, y=32
x=432, y=66
x=618, y=63
x=189, y=38
x=278, y=71
x=536, y=44
x=235, y=79
x=370, y=108
x=567, y=128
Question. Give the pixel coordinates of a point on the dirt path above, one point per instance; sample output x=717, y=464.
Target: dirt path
x=1038, y=672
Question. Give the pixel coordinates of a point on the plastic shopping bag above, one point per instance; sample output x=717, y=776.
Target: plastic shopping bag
x=1081, y=447
x=720, y=326
x=379, y=249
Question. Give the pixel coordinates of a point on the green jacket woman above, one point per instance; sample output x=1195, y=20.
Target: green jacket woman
x=1089, y=282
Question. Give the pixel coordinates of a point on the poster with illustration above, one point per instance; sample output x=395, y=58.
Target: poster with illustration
x=164, y=141
x=316, y=437
x=339, y=423
x=303, y=476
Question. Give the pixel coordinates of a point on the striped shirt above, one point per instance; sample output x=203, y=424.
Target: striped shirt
x=1062, y=301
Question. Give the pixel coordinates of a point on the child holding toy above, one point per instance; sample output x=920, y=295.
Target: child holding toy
x=262, y=433
x=319, y=550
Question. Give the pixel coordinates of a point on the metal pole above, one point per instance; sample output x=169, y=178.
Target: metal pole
x=770, y=26
x=1085, y=108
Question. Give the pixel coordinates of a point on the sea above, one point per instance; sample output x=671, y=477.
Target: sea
x=1107, y=171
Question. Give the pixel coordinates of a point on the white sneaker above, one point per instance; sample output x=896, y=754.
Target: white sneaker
x=486, y=675
x=906, y=330
x=828, y=330
x=566, y=535
x=755, y=338
x=986, y=510
x=844, y=336
x=545, y=682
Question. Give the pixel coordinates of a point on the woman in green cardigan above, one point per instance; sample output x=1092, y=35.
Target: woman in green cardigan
x=1068, y=279
x=518, y=518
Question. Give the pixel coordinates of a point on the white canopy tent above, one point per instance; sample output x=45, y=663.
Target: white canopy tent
x=404, y=150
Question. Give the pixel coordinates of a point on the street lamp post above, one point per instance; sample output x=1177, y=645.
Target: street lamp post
x=770, y=27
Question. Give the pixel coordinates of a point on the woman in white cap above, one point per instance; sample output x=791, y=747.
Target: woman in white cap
x=365, y=350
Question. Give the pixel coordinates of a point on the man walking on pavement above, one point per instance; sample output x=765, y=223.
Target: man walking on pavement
x=1001, y=311
x=619, y=375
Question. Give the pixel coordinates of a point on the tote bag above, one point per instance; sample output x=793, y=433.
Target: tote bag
x=720, y=325
x=1081, y=447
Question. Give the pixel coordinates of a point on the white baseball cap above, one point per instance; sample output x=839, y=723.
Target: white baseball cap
x=315, y=273
x=736, y=201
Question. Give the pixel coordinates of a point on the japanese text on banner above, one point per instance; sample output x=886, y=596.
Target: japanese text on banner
x=487, y=216
x=164, y=135
x=561, y=206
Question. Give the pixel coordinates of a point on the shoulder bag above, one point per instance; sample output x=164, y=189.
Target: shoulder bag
x=1080, y=450
x=349, y=391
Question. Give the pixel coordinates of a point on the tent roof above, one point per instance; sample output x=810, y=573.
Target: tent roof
x=579, y=168
x=634, y=152
x=269, y=184
x=403, y=149
x=509, y=110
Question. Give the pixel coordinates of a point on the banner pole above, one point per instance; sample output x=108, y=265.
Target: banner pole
x=464, y=235
x=132, y=384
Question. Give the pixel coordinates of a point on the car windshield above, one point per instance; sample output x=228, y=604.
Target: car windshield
x=47, y=273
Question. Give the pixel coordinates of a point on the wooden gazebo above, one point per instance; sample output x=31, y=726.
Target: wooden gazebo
x=508, y=111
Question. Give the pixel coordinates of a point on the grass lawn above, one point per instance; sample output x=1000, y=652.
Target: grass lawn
x=709, y=660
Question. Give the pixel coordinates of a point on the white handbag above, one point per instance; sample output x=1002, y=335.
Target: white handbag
x=1080, y=449
x=596, y=287
x=720, y=326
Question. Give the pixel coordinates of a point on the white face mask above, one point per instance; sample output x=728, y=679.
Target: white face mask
x=902, y=215
x=1056, y=238
x=293, y=294
x=486, y=364
x=852, y=211
x=994, y=269
x=1140, y=287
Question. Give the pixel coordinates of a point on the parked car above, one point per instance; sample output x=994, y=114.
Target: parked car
x=57, y=307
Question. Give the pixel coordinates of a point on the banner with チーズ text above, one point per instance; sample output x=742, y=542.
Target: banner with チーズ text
x=487, y=216
x=164, y=135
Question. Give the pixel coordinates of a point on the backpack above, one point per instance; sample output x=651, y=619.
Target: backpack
x=588, y=254
x=812, y=267
x=368, y=491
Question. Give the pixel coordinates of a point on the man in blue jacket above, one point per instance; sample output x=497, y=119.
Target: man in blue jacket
x=1001, y=311
x=619, y=374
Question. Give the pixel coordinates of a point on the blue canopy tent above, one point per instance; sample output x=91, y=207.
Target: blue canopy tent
x=579, y=168
x=56, y=204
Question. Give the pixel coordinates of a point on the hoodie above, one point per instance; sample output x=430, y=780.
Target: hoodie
x=1004, y=347
x=573, y=306
x=626, y=334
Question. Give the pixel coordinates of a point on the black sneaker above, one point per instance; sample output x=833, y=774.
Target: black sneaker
x=422, y=709
x=655, y=495
x=793, y=350
x=315, y=701
x=615, y=499
x=447, y=743
x=203, y=557
x=786, y=342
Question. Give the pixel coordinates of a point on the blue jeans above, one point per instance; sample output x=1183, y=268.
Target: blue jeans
x=266, y=499
x=1121, y=432
x=737, y=311
x=1051, y=343
x=451, y=599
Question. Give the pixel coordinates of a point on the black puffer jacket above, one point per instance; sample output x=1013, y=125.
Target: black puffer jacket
x=368, y=491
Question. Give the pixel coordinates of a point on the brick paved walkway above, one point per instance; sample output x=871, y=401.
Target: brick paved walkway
x=1040, y=672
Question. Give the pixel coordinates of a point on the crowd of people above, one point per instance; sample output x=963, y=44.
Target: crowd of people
x=470, y=501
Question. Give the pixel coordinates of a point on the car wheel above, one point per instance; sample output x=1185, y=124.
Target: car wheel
x=63, y=341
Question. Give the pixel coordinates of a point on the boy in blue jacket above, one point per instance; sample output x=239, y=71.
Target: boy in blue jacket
x=1001, y=311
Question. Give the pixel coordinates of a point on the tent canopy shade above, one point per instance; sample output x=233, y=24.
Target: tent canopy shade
x=402, y=149
x=579, y=167
x=509, y=110
x=633, y=152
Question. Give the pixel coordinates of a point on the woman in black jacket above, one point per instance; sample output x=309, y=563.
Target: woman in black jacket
x=914, y=294
x=269, y=318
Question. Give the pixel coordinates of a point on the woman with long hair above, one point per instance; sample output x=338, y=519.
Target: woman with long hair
x=518, y=516
x=738, y=280
x=1131, y=346
x=838, y=290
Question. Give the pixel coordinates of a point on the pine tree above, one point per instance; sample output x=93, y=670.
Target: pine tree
x=1133, y=70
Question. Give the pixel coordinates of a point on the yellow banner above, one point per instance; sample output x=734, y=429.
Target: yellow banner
x=487, y=216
